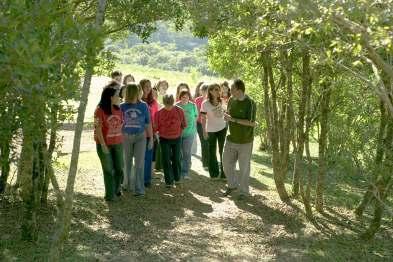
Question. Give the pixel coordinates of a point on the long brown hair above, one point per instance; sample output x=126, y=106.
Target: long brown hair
x=181, y=86
x=210, y=96
x=149, y=99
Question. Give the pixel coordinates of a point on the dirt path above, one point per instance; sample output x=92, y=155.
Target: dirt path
x=195, y=222
x=191, y=222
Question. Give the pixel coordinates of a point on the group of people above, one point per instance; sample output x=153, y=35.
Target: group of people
x=134, y=131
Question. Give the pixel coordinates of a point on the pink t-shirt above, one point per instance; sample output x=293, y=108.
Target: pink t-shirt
x=170, y=123
x=111, y=126
x=153, y=109
x=198, y=103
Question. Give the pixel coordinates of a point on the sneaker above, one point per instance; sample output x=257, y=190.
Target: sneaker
x=139, y=194
x=228, y=191
x=187, y=178
x=169, y=186
x=178, y=182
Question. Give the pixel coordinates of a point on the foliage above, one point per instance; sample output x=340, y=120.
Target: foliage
x=165, y=49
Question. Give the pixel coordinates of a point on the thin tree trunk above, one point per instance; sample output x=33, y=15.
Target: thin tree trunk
x=319, y=200
x=378, y=161
x=49, y=153
x=279, y=163
x=299, y=165
x=5, y=163
x=382, y=185
x=64, y=216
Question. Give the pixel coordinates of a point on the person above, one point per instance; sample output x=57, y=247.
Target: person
x=198, y=92
x=126, y=80
x=214, y=129
x=181, y=86
x=156, y=161
x=225, y=93
x=108, y=122
x=188, y=134
x=238, y=146
x=116, y=76
x=147, y=96
x=169, y=123
x=162, y=87
x=137, y=122
x=204, y=143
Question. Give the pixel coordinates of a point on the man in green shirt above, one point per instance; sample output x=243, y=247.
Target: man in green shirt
x=238, y=145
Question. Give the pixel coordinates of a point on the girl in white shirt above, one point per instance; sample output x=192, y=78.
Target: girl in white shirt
x=214, y=129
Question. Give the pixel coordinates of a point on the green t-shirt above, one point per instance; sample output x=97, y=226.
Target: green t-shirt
x=241, y=109
x=191, y=114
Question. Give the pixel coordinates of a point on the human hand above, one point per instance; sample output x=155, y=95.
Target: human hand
x=150, y=144
x=227, y=117
x=205, y=135
x=105, y=149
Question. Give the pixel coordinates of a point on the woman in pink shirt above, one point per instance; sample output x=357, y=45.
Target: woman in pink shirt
x=147, y=96
x=169, y=123
x=204, y=142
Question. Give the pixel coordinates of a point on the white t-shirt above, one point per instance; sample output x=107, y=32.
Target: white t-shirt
x=214, y=116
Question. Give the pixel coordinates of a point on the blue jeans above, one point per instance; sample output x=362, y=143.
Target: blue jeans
x=134, y=149
x=148, y=163
x=186, y=146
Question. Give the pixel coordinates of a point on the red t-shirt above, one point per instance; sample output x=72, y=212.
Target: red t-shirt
x=111, y=126
x=198, y=102
x=170, y=123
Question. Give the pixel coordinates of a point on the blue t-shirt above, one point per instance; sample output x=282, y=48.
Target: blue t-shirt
x=136, y=117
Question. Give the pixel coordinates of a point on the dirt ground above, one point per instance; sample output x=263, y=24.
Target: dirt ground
x=192, y=222
x=195, y=222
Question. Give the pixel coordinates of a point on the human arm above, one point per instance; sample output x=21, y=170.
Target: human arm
x=98, y=128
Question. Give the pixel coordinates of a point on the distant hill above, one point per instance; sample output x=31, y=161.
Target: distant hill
x=165, y=49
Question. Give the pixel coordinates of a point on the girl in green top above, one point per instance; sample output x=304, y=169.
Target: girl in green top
x=191, y=114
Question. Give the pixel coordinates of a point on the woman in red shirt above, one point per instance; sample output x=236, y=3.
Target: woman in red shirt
x=169, y=123
x=108, y=123
x=147, y=96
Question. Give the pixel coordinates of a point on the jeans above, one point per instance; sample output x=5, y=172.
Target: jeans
x=148, y=163
x=186, y=146
x=214, y=138
x=112, y=167
x=134, y=149
x=170, y=152
x=204, y=146
x=233, y=153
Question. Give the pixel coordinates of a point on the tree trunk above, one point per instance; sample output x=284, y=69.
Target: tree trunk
x=382, y=185
x=5, y=163
x=275, y=121
x=49, y=153
x=326, y=91
x=299, y=165
x=378, y=161
x=64, y=216
x=29, y=228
